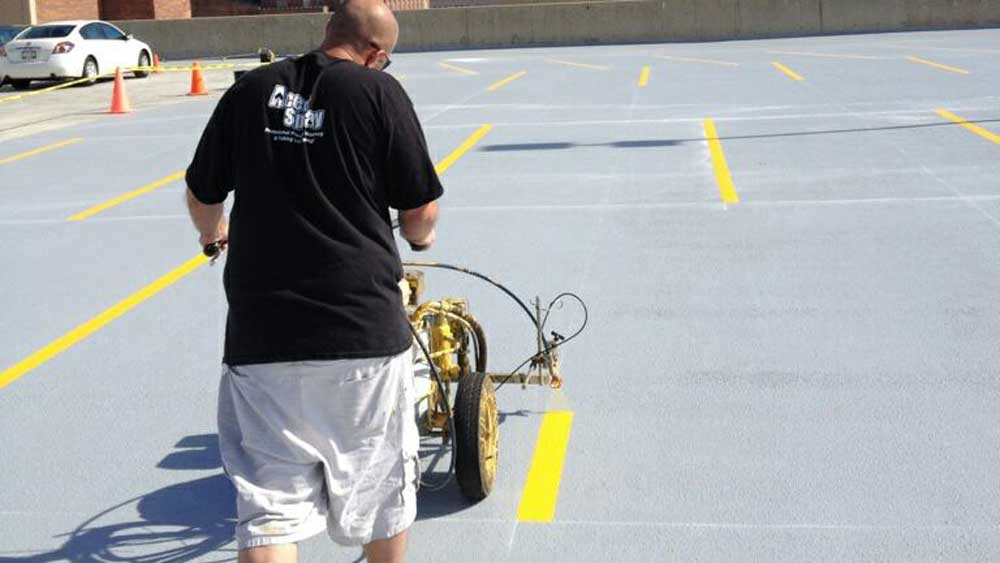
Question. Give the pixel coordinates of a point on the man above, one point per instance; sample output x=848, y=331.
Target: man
x=316, y=423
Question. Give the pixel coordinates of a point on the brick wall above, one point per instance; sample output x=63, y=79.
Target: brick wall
x=223, y=8
x=17, y=12
x=201, y=8
x=127, y=9
x=53, y=10
x=178, y=9
x=171, y=9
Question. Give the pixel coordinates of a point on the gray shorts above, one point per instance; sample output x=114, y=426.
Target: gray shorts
x=325, y=445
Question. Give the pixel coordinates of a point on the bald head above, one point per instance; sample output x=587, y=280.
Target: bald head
x=357, y=24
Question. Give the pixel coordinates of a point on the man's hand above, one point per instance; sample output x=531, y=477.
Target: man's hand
x=220, y=234
x=209, y=221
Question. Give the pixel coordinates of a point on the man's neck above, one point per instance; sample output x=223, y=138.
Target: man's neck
x=339, y=52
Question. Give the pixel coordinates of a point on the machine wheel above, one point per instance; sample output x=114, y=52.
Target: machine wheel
x=90, y=70
x=477, y=428
x=143, y=63
x=19, y=84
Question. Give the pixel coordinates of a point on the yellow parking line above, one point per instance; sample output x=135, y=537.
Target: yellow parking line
x=578, y=65
x=538, y=501
x=125, y=197
x=644, y=77
x=40, y=150
x=506, y=81
x=940, y=66
x=696, y=60
x=459, y=69
x=462, y=149
x=84, y=330
x=981, y=131
x=81, y=332
x=727, y=188
x=789, y=72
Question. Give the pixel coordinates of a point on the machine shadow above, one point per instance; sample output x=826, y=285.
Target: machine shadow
x=195, y=519
x=439, y=494
x=177, y=523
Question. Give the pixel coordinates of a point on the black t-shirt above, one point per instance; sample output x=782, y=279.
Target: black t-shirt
x=316, y=151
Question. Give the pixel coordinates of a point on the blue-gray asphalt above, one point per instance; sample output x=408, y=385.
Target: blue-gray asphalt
x=808, y=375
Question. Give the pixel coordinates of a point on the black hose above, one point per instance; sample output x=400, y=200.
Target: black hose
x=558, y=341
x=451, y=422
x=498, y=285
x=480, y=335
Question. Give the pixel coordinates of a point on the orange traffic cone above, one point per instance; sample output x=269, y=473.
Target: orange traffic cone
x=197, y=82
x=119, y=99
x=157, y=67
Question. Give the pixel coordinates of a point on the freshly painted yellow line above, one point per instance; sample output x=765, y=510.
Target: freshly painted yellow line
x=791, y=73
x=459, y=69
x=463, y=148
x=506, y=81
x=696, y=60
x=579, y=65
x=125, y=197
x=938, y=65
x=722, y=175
x=40, y=150
x=644, y=77
x=538, y=501
x=81, y=332
x=981, y=131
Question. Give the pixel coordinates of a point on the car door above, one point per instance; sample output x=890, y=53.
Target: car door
x=120, y=47
x=95, y=44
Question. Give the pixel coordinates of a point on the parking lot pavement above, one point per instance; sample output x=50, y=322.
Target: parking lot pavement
x=38, y=112
x=788, y=249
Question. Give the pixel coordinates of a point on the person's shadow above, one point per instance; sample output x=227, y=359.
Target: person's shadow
x=176, y=523
x=193, y=519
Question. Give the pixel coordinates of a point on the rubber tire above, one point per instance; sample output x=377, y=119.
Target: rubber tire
x=19, y=84
x=467, y=455
x=97, y=71
x=143, y=61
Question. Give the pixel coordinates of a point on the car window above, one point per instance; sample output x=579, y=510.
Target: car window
x=47, y=32
x=110, y=32
x=91, y=31
x=8, y=33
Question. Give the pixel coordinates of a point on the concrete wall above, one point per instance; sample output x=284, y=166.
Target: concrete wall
x=584, y=23
x=17, y=12
x=54, y=10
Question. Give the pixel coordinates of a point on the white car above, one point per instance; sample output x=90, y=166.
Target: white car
x=71, y=49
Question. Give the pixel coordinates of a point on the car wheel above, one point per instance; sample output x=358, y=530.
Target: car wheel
x=143, y=63
x=90, y=70
x=20, y=84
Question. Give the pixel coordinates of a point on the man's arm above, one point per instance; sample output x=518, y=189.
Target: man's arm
x=411, y=179
x=209, y=220
x=417, y=225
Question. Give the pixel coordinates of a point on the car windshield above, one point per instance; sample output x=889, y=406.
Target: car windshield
x=47, y=32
